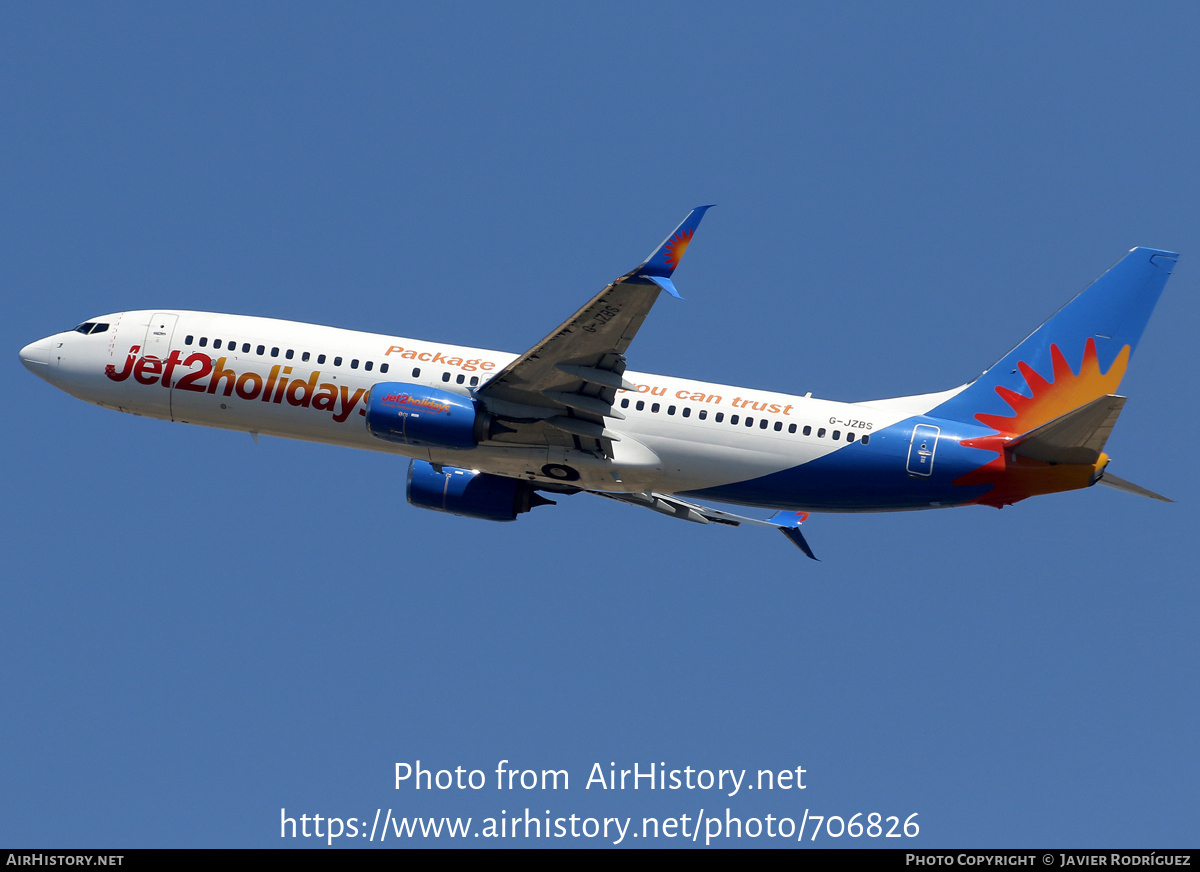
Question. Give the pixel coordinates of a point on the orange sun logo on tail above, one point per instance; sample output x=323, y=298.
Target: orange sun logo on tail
x=1014, y=477
x=673, y=251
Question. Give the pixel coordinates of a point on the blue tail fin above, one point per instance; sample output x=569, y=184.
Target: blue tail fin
x=1077, y=356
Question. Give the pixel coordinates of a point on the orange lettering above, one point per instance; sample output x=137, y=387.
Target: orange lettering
x=307, y=387
x=326, y=398
x=348, y=403
x=249, y=393
x=220, y=373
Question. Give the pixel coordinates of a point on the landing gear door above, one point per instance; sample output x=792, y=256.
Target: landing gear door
x=921, y=450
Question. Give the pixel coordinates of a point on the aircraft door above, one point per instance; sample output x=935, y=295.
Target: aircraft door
x=158, y=335
x=158, y=344
x=921, y=450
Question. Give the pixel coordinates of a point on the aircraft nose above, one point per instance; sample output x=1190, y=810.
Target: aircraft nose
x=36, y=357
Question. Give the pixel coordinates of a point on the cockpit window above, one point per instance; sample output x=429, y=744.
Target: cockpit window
x=90, y=327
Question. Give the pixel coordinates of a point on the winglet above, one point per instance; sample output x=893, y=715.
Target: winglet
x=662, y=262
x=788, y=524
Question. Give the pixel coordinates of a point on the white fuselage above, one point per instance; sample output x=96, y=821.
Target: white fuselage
x=305, y=381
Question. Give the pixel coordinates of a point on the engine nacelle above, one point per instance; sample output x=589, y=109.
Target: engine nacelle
x=470, y=493
x=417, y=415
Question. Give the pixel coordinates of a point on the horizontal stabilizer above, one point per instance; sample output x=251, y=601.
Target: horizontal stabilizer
x=1076, y=437
x=1129, y=487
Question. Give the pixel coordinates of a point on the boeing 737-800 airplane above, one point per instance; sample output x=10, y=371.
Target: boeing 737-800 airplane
x=487, y=432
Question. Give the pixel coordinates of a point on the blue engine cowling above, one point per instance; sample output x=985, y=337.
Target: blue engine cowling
x=417, y=415
x=470, y=493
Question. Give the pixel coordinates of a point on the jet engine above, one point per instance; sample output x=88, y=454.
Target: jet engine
x=416, y=415
x=470, y=493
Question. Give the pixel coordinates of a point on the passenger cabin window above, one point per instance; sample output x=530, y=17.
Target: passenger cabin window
x=670, y=410
x=275, y=352
x=304, y=357
x=445, y=376
x=641, y=404
x=778, y=426
x=821, y=433
x=687, y=411
x=188, y=340
x=320, y=358
x=702, y=414
x=791, y=428
x=383, y=367
x=807, y=430
x=245, y=348
x=337, y=361
x=203, y=341
x=461, y=378
x=720, y=417
x=369, y=365
x=733, y=419
x=354, y=363
x=290, y=354
x=416, y=371
x=262, y=349
x=474, y=379
x=216, y=343
x=625, y=403
x=655, y=407
x=866, y=439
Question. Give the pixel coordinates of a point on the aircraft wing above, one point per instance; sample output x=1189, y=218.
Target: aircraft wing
x=787, y=523
x=560, y=391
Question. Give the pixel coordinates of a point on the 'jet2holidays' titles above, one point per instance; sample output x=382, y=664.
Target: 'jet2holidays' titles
x=274, y=388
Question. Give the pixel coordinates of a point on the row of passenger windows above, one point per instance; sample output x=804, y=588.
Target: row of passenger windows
x=748, y=421
x=305, y=356
x=446, y=376
x=458, y=380
x=289, y=354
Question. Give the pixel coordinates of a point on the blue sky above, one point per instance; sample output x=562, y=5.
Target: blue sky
x=199, y=631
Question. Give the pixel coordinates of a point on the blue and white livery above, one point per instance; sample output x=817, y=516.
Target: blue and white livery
x=489, y=434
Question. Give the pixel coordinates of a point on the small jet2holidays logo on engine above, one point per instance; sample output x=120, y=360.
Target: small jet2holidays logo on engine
x=397, y=399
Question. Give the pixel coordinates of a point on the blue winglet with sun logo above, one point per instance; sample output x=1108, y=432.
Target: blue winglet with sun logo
x=662, y=262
